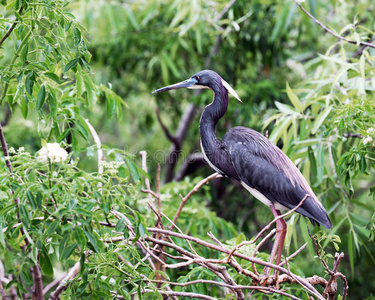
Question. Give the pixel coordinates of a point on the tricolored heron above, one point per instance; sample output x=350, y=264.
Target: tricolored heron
x=247, y=156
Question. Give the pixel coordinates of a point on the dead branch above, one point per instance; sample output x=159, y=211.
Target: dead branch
x=187, y=197
x=171, y=137
x=330, y=31
x=267, y=227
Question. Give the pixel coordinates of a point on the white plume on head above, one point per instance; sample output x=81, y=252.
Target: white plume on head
x=230, y=89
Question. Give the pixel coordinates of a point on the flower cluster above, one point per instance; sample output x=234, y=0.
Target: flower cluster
x=368, y=139
x=112, y=166
x=52, y=152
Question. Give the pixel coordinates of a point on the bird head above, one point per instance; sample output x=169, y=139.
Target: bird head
x=205, y=79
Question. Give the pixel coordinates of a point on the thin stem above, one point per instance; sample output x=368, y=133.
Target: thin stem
x=330, y=31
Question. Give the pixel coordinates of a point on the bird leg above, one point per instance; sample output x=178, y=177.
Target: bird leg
x=278, y=245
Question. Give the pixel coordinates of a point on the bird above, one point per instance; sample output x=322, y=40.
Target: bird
x=247, y=156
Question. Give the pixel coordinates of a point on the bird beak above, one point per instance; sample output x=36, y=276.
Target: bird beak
x=230, y=89
x=183, y=84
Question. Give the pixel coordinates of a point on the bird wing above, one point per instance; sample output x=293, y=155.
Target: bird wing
x=263, y=167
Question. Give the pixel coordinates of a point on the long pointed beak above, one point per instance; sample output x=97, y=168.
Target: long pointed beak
x=183, y=84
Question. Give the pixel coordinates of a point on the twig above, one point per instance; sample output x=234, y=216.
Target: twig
x=179, y=294
x=73, y=272
x=271, y=233
x=193, y=191
x=350, y=134
x=280, y=217
x=224, y=11
x=99, y=147
x=7, y=34
x=143, y=155
x=174, y=152
x=294, y=254
x=305, y=282
x=167, y=133
x=267, y=227
x=243, y=287
x=330, y=31
x=360, y=50
x=53, y=283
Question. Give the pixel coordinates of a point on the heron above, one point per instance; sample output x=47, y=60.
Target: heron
x=250, y=158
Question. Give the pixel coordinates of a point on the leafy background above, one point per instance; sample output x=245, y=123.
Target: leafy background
x=65, y=62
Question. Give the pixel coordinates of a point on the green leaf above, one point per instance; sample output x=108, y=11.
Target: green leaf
x=93, y=241
x=82, y=128
x=68, y=251
x=80, y=237
x=24, y=107
x=39, y=200
x=75, y=145
x=285, y=108
x=29, y=83
x=240, y=238
x=351, y=251
x=313, y=167
x=91, y=96
x=294, y=98
x=63, y=135
x=71, y=64
x=31, y=199
x=52, y=101
x=4, y=2
x=362, y=164
x=45, y=262
x=79, y=82
x=320, y=163
x=53, y=76
x=77, y=36
x=320, y=119
x=133, y=169
x=24, y=52
x=41, y=97
x=120, y=225
x=24, y=215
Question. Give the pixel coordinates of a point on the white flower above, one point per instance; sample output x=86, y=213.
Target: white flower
x=347, y=101
x=53, y=152
x=367, y=140
x=12, y=151
x=371, y=130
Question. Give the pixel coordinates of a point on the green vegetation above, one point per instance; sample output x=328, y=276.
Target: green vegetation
x=75, y=71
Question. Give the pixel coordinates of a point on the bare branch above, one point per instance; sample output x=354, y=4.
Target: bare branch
x=53, y=283
x=73, y=272
x=225, y=10
x=330, y=31
x=7, y=34
x=167, y=133
x=186, y=198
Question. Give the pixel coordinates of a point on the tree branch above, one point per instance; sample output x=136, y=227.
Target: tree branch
x=186, y=198
x=7, y=34
x=330, y=31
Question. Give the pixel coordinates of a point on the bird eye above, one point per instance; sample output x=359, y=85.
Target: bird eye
x=197, y=78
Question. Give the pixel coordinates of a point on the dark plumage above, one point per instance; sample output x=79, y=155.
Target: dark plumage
x=247, y=156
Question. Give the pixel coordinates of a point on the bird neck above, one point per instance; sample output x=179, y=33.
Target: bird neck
x=210, y=117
